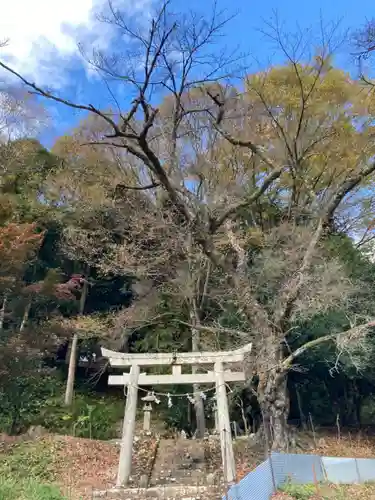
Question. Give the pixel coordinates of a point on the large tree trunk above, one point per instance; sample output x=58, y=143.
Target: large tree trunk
x=199, y=410
x=74, y=352
x=300, y=408
x=274, y=404
x=198, y=402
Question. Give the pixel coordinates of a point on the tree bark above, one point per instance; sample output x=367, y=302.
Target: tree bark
x=274, y=404
x=199, y=410
x=74, y=351
x=300, y=409
x=198, y=402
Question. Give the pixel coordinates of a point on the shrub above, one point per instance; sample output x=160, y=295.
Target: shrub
x=299, y=491
x=38, y=400
x=23, y=398
x=91, y=416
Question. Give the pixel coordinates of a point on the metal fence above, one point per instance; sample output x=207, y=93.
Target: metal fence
x=264, y=480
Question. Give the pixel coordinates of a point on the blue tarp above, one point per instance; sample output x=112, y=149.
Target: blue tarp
x=261, y=483
x=257, y=485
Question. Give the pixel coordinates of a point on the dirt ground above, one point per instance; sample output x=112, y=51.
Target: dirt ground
x=79, y=465
x=82, y=465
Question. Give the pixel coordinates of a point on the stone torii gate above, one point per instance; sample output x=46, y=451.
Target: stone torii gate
x=132, y=380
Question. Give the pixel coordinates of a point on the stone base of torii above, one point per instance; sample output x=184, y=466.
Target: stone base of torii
x=132, y=380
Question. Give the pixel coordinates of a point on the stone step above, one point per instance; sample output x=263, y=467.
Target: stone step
x=181, y=461
x=166, y=492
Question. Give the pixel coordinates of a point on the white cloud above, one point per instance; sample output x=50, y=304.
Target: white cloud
x=43, y=34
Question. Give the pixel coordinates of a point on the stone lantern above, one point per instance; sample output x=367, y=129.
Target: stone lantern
x=147, y=408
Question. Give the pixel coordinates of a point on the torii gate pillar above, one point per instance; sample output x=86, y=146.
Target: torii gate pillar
x=229, y=466
x=125, y=462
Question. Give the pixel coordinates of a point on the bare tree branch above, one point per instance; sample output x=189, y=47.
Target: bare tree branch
x=44, y=93
x=216, y=224
x=287, y=362
x=122, y=187
x=294, y=286
x=214, y=329
x=346, y=188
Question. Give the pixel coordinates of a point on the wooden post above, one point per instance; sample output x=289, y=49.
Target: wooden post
x=229, y=467
x=2, y=311
x=125, y=462
x=69, y=392
x=71, y=371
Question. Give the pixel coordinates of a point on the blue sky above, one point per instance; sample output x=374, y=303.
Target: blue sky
x=42, y=43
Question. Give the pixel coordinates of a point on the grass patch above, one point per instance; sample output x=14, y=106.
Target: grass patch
x=27, y=471
x=28, y=489
x=299, y=491
x=29, y=460
x=326, y=491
